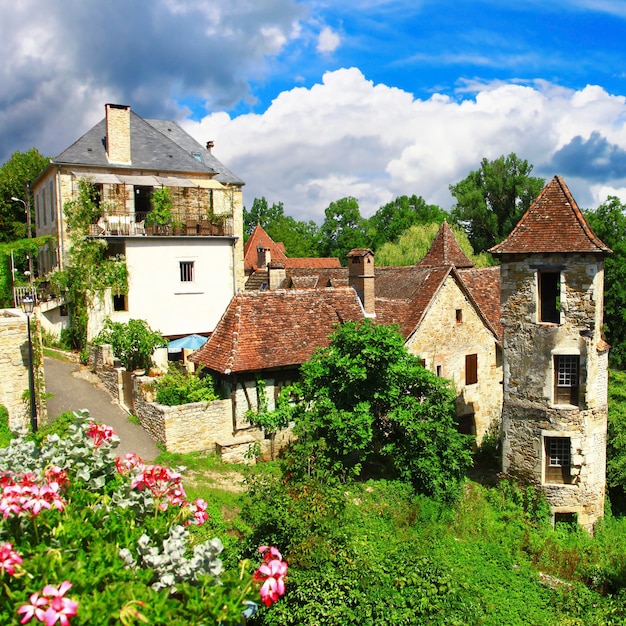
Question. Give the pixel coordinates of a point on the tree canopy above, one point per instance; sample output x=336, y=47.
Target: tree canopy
x=491, y=199
x=608, y=221
x=15, y=176
x=364, y=398
x=343, y=229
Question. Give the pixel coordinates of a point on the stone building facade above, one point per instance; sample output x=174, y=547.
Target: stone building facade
x=554, y=416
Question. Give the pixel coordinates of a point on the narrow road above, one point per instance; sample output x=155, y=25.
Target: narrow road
x=73, y=388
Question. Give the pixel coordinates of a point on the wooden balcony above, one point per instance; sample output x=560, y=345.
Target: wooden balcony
x=180, y=225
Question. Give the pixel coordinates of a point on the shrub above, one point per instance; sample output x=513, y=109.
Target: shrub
x=133, y=343
x=177, y=388
x=5, y=432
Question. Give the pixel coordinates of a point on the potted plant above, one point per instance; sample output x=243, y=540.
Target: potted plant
x=161, y=215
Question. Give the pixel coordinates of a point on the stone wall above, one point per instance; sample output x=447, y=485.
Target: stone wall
x=443, y=342
x=530, y=411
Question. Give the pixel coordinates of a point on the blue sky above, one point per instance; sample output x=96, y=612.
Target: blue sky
x=316, y=100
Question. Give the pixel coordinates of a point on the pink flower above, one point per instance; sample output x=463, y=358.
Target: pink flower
x=272, y=573
x=56, y=475
x=198, y=508
x=9, y=558
x=130, y=462
x=58, y=608
x=33, y=609
x=100, y=433
x=164, y=484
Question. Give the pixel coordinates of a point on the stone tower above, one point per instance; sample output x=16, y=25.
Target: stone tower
x=554, y=415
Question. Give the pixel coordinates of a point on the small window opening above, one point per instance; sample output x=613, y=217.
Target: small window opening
x=569, y=521
x=439, y=371
x=186, y=271
x=566, y=375
x=550, y=297
x=471, y=369
x=558, y=460
x=459, y=316
x=119, y=302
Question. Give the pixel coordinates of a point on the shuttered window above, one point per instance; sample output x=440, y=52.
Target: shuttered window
x=471, y=369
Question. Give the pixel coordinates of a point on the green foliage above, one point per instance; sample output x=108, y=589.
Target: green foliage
x=413, y=244
x=343, y=229
x=365, y=398
x=5, y=432
x=608, y=221
x=16, y=174
x=89, y=270
x=396, y=217
x=177, y=388
x=491, y=200
x=161, y=213
x=616, y=440
x=133, y=342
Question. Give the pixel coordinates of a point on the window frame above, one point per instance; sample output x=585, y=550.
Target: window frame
x=557, y=460
x=566, y=379
x=549, y=296
x=187, y=271
x=471, y=369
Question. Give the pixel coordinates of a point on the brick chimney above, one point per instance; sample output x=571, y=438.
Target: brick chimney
x=264, y=257
x=361, y=278
x=118, y=133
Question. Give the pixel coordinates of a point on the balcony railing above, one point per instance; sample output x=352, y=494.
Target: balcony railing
x=181, y=224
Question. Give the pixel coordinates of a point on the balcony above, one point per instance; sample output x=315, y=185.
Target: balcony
x=179, y=225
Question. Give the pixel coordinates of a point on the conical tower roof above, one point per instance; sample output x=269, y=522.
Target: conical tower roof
x=553, y=223
x=445, y=250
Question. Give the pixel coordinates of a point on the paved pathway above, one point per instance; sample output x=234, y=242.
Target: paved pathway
x=73, y=388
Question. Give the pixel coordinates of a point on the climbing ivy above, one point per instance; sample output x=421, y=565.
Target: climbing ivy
x=89, y=272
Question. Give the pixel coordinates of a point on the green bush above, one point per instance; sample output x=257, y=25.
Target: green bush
x=133, y=343
x=178, y=388
x=5, y=432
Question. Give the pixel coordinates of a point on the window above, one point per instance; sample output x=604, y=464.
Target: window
x=550, y=297
x=471, y=369
x=439, y=371
x=558, y=460
x=119, y=302
x=566, y=379
x=459, y=316
x=186, y=271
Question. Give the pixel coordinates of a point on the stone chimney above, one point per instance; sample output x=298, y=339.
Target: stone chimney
x=264, y=258
x=210, y=145
x=118, y=133
x=361, y=278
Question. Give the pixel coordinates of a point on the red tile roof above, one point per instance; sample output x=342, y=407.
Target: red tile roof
x=445, y=250
x=553, y=223
x=271, y=329
x=259, y=238
x=483, y=284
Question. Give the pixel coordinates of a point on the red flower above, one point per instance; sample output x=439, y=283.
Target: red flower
x=272, y=573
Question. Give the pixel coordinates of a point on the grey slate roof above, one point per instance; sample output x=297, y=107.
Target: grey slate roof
x=155, y=145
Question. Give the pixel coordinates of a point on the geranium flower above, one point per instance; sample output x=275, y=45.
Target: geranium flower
x=60, y=609
x=198, y=508
x=129, y=462
x=100, y=433
x=9, y=558
x=54, y=474
x=272, y=573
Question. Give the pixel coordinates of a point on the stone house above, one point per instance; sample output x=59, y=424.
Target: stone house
x=181, y=274
x=447, y=311
x=554, y=417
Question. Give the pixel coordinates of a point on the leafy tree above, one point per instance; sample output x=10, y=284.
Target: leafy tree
x=365, y=398
x=301, y=239
x=608, y=221
x=343, y=229
x=414, y=243
x=15, y=177
x=491, y=200
x=396, y=217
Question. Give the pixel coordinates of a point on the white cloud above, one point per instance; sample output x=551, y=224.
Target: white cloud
x=328, y=40
x=348, y=136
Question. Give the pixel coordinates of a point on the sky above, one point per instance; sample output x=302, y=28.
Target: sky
x=311, y=101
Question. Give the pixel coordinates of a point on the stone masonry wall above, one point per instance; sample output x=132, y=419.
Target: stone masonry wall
x=444, y=342
x=530, y=346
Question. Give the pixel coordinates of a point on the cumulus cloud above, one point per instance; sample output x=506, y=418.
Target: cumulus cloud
x=328, y=40
x=347, y=136
x=64, y=61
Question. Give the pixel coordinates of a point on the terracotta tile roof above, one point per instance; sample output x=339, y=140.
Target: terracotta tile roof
x=270, y=329
x=324, y=276
x=483, y=284
x=553, y=223
x=259, y=238
x=445, y=250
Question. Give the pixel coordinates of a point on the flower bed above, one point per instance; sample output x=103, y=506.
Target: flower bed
x=90, y=538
